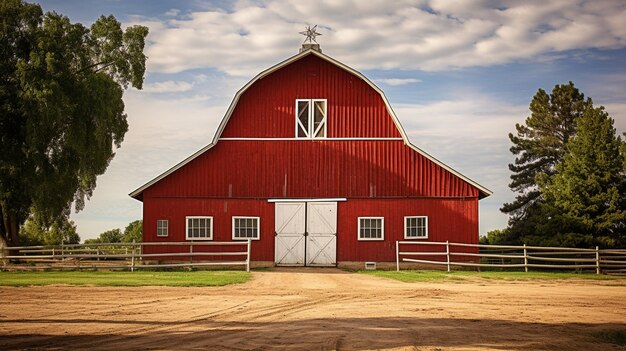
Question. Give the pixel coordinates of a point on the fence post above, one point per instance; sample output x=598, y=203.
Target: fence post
x=132, y=257
x=191, y=256
x=3, y=253
x=248, y=256
x=448, y=253
x=62, y=252
x=397, y=256
x=597, y=260
x=525, y=259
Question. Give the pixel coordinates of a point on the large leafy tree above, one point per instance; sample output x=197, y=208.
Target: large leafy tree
x=584, y=200
x=61, y=109
x=539, y=145
x=62, y=231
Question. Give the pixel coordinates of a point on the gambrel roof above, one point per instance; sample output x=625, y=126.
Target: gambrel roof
x=137, y=194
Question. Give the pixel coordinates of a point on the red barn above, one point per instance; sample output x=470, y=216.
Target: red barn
x=312, y=164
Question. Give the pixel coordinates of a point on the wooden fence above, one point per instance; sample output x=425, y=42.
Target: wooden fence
x=506, y=256
x=127, y=255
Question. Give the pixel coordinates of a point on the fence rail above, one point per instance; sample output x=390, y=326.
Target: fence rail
x=449, y=254
x=128, y=255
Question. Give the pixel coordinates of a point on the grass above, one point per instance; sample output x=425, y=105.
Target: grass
x=410, y=276
x=119, y=278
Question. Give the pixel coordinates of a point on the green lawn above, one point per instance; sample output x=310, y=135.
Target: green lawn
x=410, y=276
x=110, y=278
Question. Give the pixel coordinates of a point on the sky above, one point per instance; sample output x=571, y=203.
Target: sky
x=459, y=75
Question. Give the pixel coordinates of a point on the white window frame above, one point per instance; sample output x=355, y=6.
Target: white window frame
x=258, y=228
x=167, y=228
x=382, y=229
x=187, y=218
x=415, y=237
x=310, y=134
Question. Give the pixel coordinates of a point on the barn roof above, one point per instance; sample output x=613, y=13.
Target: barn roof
x=138, y=193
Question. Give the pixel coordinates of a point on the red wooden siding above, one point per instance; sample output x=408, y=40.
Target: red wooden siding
x=377, y=177
x=222, y=211
x=293, y=169
x=267, y=108
x=455, y=220
x=449, y=219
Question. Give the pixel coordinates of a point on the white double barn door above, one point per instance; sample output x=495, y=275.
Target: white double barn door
x=306, y=234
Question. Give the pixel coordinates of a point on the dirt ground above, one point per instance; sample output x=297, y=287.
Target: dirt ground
x=317, y=309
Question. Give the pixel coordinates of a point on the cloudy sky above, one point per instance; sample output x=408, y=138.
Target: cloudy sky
x=459, y=75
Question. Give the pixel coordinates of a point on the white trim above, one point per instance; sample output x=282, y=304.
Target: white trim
x=307, y=139
x=167, y=228
x=311, y=132
x=309, y=200
x=298, y=123
x=258, y=229
x=382, y=229
x=187, y=218
x=486, y=192
x=415, y=237
x=324, y=122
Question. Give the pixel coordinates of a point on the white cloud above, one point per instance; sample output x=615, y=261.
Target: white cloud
x=172, y=12
x=398, y=81
x=427, y=35
x=168, y=87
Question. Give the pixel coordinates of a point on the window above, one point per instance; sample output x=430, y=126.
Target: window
x=311, y=118
x=371, y=228
x=162, y=225
x=199, y=228
x=416, y=227
x=246, y=228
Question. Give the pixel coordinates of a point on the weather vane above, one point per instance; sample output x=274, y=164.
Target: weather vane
x=310, y=34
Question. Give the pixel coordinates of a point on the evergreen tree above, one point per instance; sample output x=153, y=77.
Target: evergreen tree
x=539, y=145
x=584, y=199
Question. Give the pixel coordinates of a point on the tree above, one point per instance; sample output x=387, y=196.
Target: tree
x=494, y=237
x=133, y=232
x=61, y=108
x=540, y=144
x=109, y=236
x=584, y=200
x=33, y=232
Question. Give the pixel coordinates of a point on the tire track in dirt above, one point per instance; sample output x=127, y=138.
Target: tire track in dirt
x=317, y=309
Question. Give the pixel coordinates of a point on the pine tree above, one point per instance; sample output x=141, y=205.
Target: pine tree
x=539, y=146
x=584, y=199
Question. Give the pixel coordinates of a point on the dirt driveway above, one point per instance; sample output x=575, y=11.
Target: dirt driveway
x=316, y=309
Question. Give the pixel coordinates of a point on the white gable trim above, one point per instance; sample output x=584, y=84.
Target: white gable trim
x=486, y=192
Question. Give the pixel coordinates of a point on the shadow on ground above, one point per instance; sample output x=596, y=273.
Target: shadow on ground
x=315, y=334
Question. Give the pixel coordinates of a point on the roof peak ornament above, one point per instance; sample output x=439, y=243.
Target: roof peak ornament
x=310, y=33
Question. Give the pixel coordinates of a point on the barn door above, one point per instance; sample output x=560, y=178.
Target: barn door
x=321, y=240
x=290, y=219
